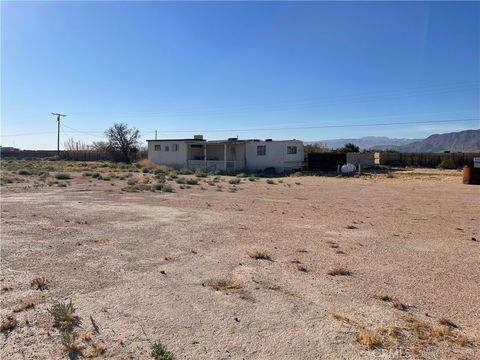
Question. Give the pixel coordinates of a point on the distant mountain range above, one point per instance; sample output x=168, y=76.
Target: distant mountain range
x=367, y=142
x=467, y=140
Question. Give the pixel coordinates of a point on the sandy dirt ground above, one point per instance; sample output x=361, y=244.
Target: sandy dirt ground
x=178, y=267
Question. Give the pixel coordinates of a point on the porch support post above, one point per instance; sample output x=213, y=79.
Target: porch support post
x=205, y=156
x=225, y=156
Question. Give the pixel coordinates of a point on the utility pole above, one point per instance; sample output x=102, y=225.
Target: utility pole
x=155, y=134
x=58, y=131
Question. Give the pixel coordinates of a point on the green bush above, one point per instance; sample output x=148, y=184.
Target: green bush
x=87, y=173
x=185, y=171
x=242, y=175
x=96, y=175
x=191, y=182
x=200, y=173
x=44, y=174
x=145, y=170
x=234, y=181
x=173, y=174
x=24, y=172
x=132, y=182
x=181, y=180
x=271, y=182
x=167, y=188
x=63, y=176
x=160, y=352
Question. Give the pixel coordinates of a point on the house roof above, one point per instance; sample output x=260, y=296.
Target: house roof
x=177, y=140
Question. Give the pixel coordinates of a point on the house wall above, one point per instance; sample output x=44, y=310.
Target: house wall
x=176, y=159
x=276, y=155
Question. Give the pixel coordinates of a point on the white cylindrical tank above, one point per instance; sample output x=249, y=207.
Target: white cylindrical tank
x=347, y=169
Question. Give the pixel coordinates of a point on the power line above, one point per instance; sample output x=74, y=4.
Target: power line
x=272, y=128
x=326, y=126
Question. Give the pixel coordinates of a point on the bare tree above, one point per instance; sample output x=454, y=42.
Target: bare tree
x=74, y=145
x=315, y=148
x=124, y=140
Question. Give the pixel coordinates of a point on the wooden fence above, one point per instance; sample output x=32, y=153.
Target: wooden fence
x=429, y=160
x=325, y=161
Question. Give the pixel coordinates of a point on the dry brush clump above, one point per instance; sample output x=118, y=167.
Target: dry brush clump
x=24, y=304
x=259, y=255
x=225, y=285
x=339, y=271
x=39, y=283
x=8, y=324
x=413, y=334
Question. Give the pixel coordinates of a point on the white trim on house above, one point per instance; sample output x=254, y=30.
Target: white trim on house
x=227, y=155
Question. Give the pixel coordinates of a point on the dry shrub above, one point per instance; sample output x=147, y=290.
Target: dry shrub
x=399, y=306
x=94, y=350
x=368, y=339
x=7, y=287
x=8, y=324
x=225, y=285
x=302, y=268
x=351, y=227
x=145, y=163
x=72, y=344
x=259, y=255
x=274, y=287
x=339, y=271
x=446, y=322
x=426, y=334
x=24, y=304
x=339, y=317
x=39, y=283
x=382, y=297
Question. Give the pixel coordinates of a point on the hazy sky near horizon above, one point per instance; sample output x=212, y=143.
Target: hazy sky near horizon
x=189, y=67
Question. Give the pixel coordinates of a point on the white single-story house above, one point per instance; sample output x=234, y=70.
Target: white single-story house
x=227, y=155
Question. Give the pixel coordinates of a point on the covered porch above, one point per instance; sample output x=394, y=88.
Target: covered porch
x=212, y=156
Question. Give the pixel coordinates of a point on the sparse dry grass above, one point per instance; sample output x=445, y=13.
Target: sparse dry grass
x=339, y=271
x=24, y=305
x=259, y=255
x=339, y=317
x=7, y=287
x=399, y=305
x=274, y=287
x=225, y=285
x=446, y=322
x=382, y=297
x=368, y=339
x=39, y=283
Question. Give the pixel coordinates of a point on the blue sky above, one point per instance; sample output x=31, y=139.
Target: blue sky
x=184, y=68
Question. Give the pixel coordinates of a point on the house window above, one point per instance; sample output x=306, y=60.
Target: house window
x=291, y=149
x=158, y=147
x=175, y=147
x=261, y=150
x=167, y=148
